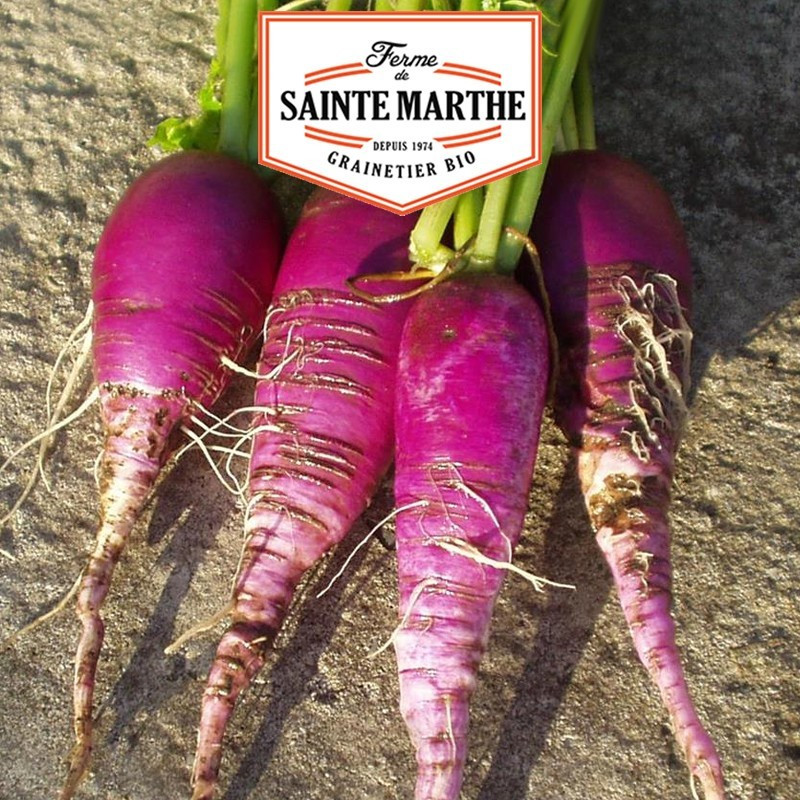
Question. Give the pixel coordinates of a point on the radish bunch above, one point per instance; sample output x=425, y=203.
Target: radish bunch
x=452, y=386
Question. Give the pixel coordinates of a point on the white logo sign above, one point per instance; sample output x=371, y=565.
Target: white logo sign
x=400, y=110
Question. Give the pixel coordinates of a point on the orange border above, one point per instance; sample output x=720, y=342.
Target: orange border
x=468, y=75
x=333, y=141
x=264, y=18
x=466, y=135
x=465, y=142
x=468, y=68
x=339, y=135
x=337, y=75
x=316, y=72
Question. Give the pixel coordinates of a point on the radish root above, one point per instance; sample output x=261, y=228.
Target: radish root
x=57, y=609
x=372, y=532
x=133, y=455
x=200, y=628
x=627, y=491
x=652, y=322
x=53, y=414
x=462, y=548
x=412, y=601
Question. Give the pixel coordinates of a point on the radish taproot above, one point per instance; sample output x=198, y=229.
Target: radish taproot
x=182, y=276
x=472, y=380
x=323, y=433
x=473, y=377
x=618, y=275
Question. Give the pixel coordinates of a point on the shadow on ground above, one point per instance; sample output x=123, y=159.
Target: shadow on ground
x=151, y=678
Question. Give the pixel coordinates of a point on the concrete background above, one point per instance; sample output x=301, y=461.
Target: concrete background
x=706, y=96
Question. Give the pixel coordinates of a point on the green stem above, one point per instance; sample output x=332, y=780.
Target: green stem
x=299, y=5
x=552, y=11
x=569, y=125
x=426, y=249
x=584, y=107
x=467, y=217
x=559, y=145
x=484, y=251
x=409, y=5
x=528, y=184
x=552, y=18
x=252, y=134
x=470, y=5
x=337, y=5
x=234, y=132
x=582, y=87
x=430, y=227
x=221, y=30
x=551, y=37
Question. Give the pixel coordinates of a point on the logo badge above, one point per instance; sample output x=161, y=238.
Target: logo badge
x=400, y=110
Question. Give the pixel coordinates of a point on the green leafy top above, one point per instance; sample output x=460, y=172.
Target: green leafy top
x=200, y=132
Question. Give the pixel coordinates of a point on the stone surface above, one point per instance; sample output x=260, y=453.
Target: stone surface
x=706, y=96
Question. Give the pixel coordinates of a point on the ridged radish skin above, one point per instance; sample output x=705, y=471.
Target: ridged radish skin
x=182, y=276
x=618, y=274
x=324, y=439
x=471, y=389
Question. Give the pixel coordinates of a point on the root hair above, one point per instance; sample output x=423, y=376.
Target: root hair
x=81, y=333
x=201, y=627
x=372, y=532
x=45, y=435
x=462, y=548
x=54, y=611
x=655, y=327
x=412, y=601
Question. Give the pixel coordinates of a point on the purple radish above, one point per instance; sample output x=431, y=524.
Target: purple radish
x=618, y=276
x=472, y=382
x=182, y=276
x=323, y=439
